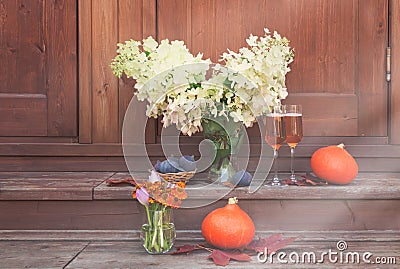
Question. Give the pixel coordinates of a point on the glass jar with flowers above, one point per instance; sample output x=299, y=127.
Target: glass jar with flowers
x=159, y=197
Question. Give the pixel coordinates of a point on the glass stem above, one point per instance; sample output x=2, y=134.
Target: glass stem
x=292, y=176
x=275, y=165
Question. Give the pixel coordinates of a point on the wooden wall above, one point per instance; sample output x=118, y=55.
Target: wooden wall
x=104, y=98
x=38, y=68
x=68, y=108
x=340, y=84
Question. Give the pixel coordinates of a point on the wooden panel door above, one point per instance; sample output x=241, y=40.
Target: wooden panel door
x=38, y=68
x=338, y=74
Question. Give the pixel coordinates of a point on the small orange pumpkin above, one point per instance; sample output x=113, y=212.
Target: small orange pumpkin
x=228, y=227
x=334, y=164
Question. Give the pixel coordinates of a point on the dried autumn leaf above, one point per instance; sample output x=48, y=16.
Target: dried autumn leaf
x=186, y=249
x=312, y=183
x=272, y=243
x=260, y=244
x=313, y=180
x=280, y=244
x=223, y=257
x=219, y=258
x=112, y=182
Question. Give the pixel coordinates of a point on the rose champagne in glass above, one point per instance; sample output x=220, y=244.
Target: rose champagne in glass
x=294, y=132
x=275, y=136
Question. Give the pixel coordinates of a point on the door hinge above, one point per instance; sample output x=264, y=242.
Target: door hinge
x=388, y=64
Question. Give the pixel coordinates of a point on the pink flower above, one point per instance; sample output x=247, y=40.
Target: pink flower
x=142, y=196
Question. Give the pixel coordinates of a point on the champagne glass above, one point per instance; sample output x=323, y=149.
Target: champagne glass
x=294, y=132
x=275, y=136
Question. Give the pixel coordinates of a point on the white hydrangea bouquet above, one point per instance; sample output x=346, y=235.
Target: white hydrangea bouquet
x=183, y=88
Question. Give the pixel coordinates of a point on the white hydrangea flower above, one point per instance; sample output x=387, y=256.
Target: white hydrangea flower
x=174, y=81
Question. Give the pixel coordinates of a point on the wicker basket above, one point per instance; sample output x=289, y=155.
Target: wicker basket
x=177, y=177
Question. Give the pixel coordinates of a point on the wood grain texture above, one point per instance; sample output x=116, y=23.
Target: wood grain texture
x=117, y=254
x=395, y=83
x=115, y=150
x=69, y=215
x=370, y=202
x=149, y=25
x=325, y=69
x=372, y=85
x=323, y=118
x=130, y=17
x=50, y=186
x=23, y=114
x=385, y=236
x=61, y=83
x=104, y=84
x=365, y=186
x=292, y=215
x=85, y=70
x=118, y=164
x=39, y=254
x=39, y=58
x=23, y=49
x=385, y=159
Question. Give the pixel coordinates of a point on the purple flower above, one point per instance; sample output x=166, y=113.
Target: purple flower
x=142, y=196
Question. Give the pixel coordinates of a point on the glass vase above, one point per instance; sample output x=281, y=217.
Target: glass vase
x=158, y=235
x=226, y=136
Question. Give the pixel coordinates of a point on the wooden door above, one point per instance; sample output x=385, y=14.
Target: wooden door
x=339, y=70
x=38, y=68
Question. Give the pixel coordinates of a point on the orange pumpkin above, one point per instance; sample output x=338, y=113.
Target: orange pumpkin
x=228, y=227
x=334, y=164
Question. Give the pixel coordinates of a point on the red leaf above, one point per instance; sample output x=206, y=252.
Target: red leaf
x=186, y=249
x=280, y=244
x=223, y=257
x=112, y=182
x=219, y=257
x=272, y=243
x=260, y=244
x=313, y=180
x=237, y=255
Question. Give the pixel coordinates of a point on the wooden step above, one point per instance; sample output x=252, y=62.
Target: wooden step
x=88, y=249
x=82, y=201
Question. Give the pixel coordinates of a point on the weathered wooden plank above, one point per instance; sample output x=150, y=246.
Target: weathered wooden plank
x=338, y=120
x=70, y=215
x=373, y=36
x=60, y=164
x=38, y=254
x=395, y=78
x=118, y=164
x=194, y=235
x=23, y=114
x=130, y=16
x=149, y=24
x=173, y=29
x=365, y=186
x=118, y=254
x=22, y=45
x=105, y=128
x=302, y=150
x=49, y=186
x=137, y=20
x=61, y=45
x=268, y=215
x=85, y=70
x=37, y=139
